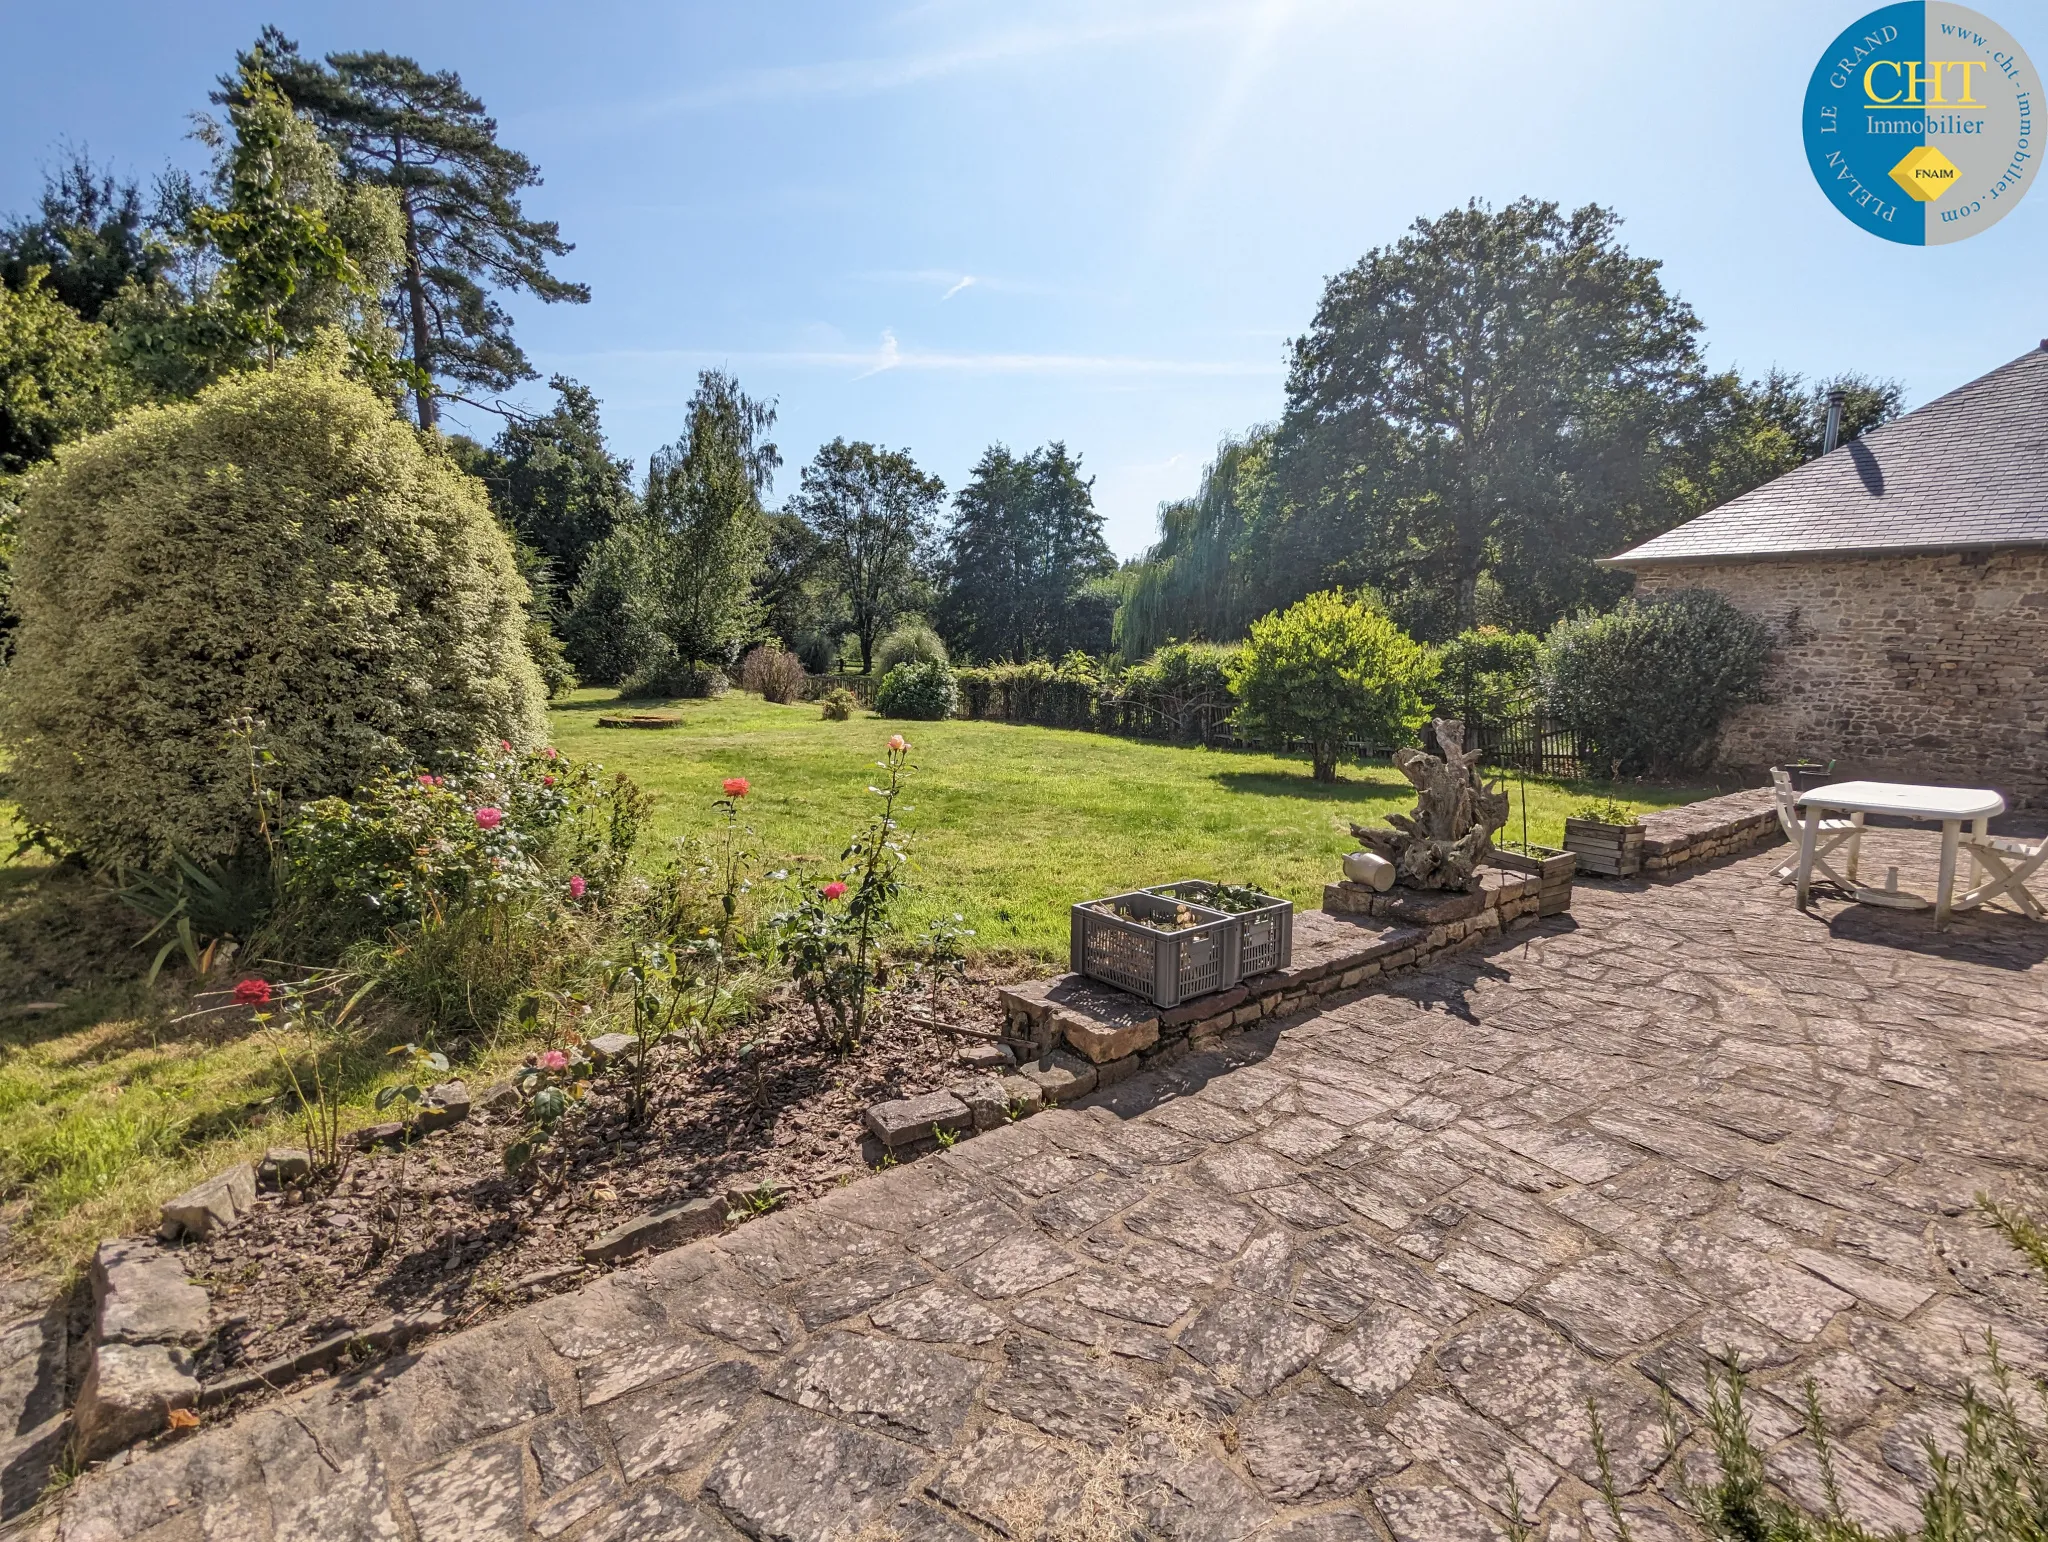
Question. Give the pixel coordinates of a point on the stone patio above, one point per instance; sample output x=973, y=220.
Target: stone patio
x=1338, y=1278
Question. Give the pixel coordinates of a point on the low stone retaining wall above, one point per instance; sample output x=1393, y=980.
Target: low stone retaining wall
x=1070, y=1035
x=1714, y=827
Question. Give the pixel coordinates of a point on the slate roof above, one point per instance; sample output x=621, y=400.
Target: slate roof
x=1967, y=471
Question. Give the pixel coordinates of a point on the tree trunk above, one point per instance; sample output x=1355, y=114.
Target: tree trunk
x=1324, y=758
x=416, y=292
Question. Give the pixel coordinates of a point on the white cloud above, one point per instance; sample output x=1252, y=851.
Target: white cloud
x=966, y=279
x=890, y=354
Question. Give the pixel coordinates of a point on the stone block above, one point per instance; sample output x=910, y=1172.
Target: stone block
x=389, y=1133
x=1212, y=1005
x=985, y=1056
x=1060, y=1078
x=212, y=1206
x=901, y=1121
x=141, y=1295
x=284, y=1164
x=1110, y=1072
x=607, y=1047
x=663, y=1228
x=1022, y=1095
x=129, y=1393
x=499, y=1098
x=1100, y=1042
x=988, y=1105
x=445, y=1105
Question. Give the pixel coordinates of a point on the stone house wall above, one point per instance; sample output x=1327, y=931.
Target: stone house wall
x=1908, y=668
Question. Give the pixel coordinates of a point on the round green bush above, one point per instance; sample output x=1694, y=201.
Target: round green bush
x=1331, y=669
x=281, y=548
x=918, y=690
x=1648, y=683
x=910, y=642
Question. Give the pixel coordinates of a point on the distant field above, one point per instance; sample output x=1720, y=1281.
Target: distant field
x=1010, y=824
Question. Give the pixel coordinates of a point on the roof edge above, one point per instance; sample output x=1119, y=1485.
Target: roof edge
x=1798, y=553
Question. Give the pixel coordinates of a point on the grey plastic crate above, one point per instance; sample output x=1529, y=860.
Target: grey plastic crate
x=1265, y=936
x=1166, y=968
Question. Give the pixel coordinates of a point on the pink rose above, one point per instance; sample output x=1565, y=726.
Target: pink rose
x=489, y=818
x=898, y=743
x=547, y=781
x=554, y=1060
x=505, y=746
x=552, y=753
x=429, y=781
x=832, y=891
x=577, y=887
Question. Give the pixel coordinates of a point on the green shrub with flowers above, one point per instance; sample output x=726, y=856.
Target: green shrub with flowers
x=492, y=831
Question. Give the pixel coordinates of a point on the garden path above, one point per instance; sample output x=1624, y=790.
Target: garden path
x=1336, y=1281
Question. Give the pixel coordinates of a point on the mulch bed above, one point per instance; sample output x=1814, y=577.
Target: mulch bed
x=441, y=1228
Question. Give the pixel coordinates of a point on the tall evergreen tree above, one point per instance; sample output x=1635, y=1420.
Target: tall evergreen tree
x=677, y=581
x=873, y=513
x=1024, y=542
x=554, y=482
x=424, y=136
x=91, y=235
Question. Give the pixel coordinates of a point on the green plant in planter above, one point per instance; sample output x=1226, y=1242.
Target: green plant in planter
x=1605, y=811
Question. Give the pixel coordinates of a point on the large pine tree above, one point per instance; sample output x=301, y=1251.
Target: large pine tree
x=1025, y=540
x=424, y=136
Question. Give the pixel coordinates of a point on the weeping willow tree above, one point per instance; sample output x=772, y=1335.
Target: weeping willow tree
x=1201, y=579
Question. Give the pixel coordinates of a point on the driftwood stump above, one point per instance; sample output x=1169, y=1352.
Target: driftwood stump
x=1443, y=843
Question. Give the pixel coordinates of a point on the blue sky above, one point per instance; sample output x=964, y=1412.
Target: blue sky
x=939, y=225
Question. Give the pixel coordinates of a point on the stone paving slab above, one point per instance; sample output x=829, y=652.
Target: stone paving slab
x=1339, y=1278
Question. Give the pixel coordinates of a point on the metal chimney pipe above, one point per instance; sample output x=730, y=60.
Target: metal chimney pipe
x=1834, y=433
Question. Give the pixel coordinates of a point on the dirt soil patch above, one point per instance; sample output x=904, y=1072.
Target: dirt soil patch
x=441, y=1227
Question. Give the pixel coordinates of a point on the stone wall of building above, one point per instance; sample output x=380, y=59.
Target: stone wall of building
x=1930, y=669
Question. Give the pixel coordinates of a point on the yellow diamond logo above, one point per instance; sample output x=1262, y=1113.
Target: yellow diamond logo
x=1925, y=173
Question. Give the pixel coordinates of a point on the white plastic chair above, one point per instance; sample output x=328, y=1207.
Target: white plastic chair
x=2005, y=864
x=1833, y=833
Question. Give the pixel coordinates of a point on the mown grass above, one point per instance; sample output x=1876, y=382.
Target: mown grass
x=110, y=1103
x=1009, y=825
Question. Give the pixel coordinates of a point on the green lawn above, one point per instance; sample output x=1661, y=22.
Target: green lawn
x=1009, y=825
x=114, y=1100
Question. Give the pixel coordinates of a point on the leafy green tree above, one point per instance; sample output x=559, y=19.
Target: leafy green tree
x=1329, y=669
x=90, y=235
x=1752, y=431
x=556, y=484
x=282, y=251
x=55, y=382
x=423, y=136
x=1493, y=391
x=683, y=570
x=1206, y=575
x=872, y=512
x=793, y=593
x=1488, y=675
x=1024, y=543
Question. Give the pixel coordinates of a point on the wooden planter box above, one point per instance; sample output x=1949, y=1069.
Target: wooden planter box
x=1553, y=866
x=1616, y=850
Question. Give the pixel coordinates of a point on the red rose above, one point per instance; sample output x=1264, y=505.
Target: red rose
x=489, y=818
x=735, y=787
x=832, y=891
x=252, y=992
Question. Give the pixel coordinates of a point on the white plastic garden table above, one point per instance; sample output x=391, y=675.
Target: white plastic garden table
x=1948, y=806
